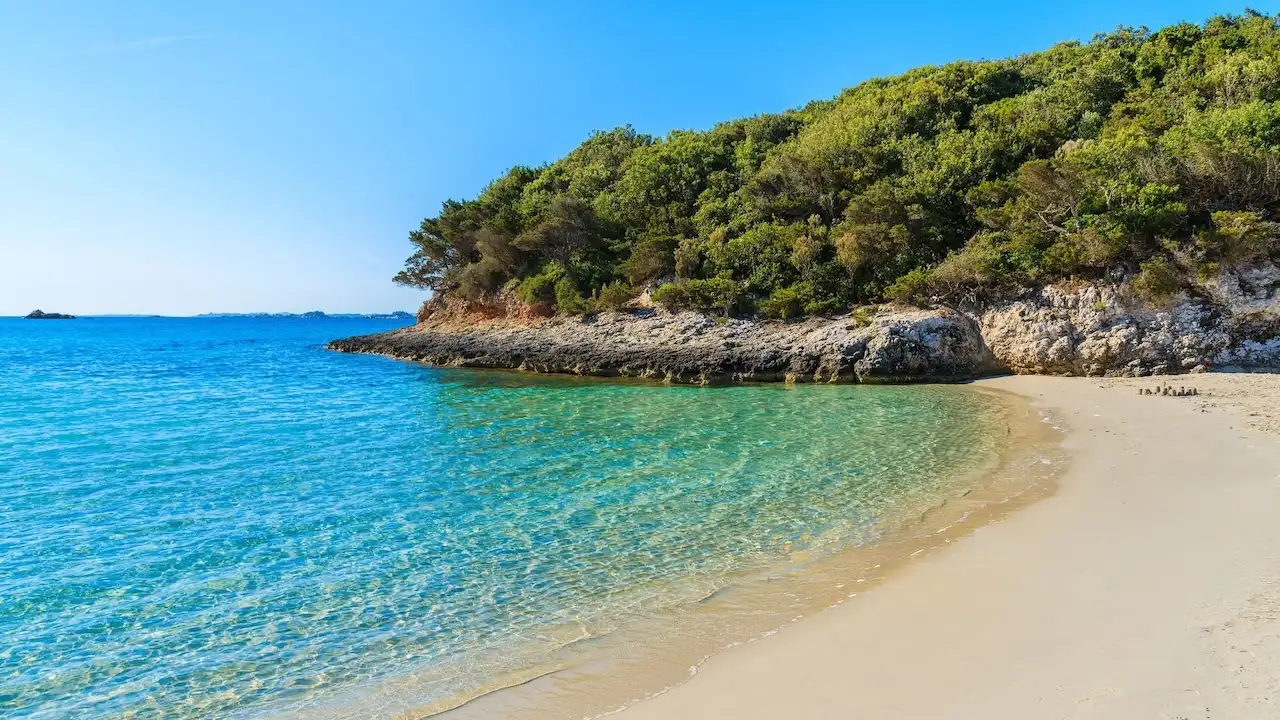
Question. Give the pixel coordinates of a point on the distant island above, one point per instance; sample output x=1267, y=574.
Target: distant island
x=41, y=315
x=314, y=315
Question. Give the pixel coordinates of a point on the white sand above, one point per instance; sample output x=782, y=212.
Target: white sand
x=1148, y=586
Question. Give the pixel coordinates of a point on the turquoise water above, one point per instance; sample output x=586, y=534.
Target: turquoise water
x=219, y=518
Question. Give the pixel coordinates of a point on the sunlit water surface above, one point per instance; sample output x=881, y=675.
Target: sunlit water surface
x=219, y=518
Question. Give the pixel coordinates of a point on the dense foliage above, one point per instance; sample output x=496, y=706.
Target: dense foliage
x=1155, y=153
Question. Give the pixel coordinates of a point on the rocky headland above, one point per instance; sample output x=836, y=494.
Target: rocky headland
x=1074, y=328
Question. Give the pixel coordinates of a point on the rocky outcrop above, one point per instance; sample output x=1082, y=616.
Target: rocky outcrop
x=41, y=315
x=1098, y=328
x=1252, y=296
x=692, y=347
x=1103, y=329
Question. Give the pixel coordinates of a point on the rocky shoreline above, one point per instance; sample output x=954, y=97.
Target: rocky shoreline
x=697, y=348
x=1096, y=329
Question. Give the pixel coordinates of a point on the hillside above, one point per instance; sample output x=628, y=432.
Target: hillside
x=1148, y=156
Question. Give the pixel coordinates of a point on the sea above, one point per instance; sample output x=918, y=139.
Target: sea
x=220, y=518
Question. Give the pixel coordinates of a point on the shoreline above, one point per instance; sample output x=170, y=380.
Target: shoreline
x=607, y=674
x=1146, y=586
x=596, y=674
x=1071, y=328
x=905, y=346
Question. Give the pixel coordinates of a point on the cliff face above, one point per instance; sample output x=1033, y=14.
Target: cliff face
x=1102, y=329
x=1068, y=329
x=1097, y=330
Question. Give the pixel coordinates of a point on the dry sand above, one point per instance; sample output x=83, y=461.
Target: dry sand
x=1253, y=398
x=1148, y=586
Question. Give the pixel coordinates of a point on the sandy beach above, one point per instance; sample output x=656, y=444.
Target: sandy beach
x=1148, y=586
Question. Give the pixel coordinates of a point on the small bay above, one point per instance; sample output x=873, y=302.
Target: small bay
x=219, y=518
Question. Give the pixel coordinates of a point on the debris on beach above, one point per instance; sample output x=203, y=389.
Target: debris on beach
x=1168, y=390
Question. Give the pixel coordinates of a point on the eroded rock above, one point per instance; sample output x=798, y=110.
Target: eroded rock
x=906, y=346
x=1078, y=328
x=1098, y=329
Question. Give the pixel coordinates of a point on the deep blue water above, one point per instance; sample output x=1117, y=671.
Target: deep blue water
x=220, y=518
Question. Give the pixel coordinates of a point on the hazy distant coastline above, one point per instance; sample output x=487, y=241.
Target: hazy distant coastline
x=314, y=314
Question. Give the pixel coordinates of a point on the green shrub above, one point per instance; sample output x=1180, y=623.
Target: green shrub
x=614, y=296
x=823, y=306
x=714, y=294
x=914, y=287
x=652, y=258
x=788, y=302
x=1158, y=280
x=1243, y=236
x=540, y=287
x=688, y=258
x=672, y=296
x=976, y=266
x=568, y=299
x=478, y=280
x=1063, y=258
x=1208, y=272
x=862, y=316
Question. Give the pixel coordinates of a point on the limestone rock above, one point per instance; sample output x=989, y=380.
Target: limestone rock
x=688, y=347
x=1076, y=328
x=1098, y=329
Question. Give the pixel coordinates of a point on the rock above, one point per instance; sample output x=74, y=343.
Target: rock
x=1096, y=329
x=1101, y=329
x=688, y=347
x=40, y=315
x=1071, y=328
x=906, y=347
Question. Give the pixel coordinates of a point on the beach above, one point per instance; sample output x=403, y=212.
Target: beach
x=352, y=537
x=1020, y=547
x=1147, y=585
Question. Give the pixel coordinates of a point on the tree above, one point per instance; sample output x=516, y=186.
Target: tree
x=1144, y=152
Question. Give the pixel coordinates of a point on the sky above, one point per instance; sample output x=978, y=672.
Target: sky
x=179, y=158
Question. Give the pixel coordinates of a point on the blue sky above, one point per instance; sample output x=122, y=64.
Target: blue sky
x=177, y=158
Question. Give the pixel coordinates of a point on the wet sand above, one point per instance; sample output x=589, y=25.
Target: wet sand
x=1147, y=586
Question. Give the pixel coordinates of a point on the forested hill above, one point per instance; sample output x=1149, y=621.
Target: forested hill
x=1155, y=153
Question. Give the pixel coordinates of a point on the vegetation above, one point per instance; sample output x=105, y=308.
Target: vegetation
x=1157, y=153
x=721, y=294
x=614, y=296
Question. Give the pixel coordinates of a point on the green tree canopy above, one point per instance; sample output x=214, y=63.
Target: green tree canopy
x=1138, y=150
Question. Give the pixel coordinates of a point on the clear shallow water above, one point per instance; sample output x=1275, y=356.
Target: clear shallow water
x=217, y=517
